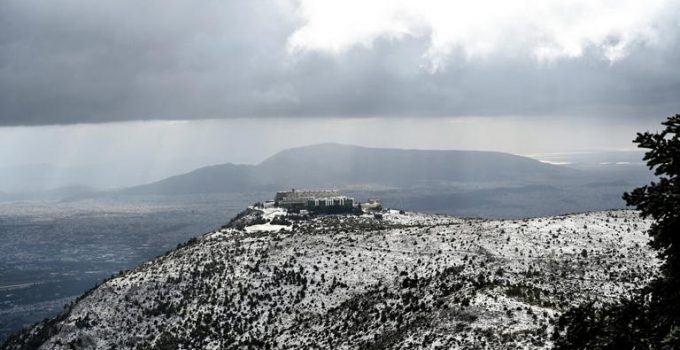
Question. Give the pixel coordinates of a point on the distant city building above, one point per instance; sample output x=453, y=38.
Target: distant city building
x=320, y=201
x=372, y=205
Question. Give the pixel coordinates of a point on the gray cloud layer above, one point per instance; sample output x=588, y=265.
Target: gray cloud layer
x=77, y=61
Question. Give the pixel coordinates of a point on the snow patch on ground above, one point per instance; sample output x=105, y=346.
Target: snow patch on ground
x=268, y=227
x=406, y=281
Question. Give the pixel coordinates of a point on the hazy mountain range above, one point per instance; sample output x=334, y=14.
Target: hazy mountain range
x=342, y=166
x=468, y=183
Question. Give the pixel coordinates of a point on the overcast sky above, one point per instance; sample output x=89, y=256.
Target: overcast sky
x=93, y=81
x=70, y=61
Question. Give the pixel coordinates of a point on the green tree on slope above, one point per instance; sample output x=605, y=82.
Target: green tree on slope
x=651, y=318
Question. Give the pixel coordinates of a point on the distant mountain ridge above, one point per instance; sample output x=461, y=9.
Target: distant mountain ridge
x=336, y=165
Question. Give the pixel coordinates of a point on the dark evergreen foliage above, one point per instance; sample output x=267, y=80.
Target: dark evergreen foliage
x=651, y=318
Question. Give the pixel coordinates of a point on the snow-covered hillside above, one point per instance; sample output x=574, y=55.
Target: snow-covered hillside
x=405, y=281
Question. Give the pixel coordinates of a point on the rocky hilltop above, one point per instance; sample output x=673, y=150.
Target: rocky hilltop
x=398, y=280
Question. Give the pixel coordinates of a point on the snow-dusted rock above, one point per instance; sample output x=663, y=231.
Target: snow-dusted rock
x=405, y=281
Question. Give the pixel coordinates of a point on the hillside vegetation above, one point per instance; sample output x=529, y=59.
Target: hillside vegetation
x=405, y=281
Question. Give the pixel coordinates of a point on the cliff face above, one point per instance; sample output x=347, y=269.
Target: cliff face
x=406, y=281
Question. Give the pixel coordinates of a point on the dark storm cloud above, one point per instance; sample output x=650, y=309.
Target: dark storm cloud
x=76, y=61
